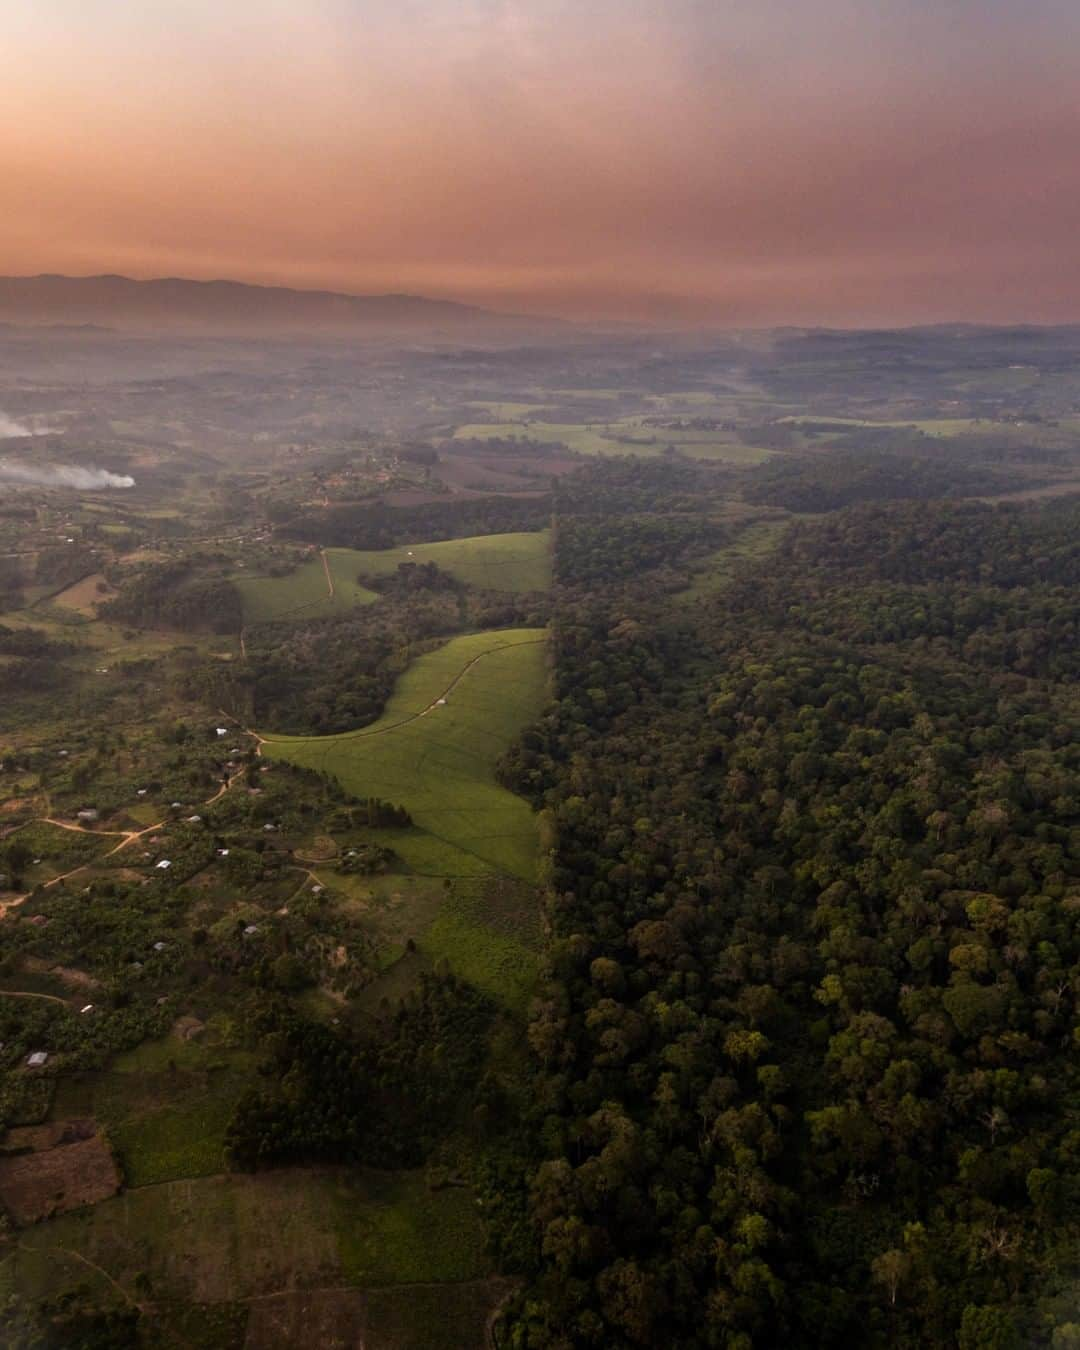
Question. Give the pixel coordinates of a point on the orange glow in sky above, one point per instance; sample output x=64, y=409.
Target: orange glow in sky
x=744, y=161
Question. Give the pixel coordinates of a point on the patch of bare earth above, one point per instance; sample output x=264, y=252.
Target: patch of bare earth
x=186, y=1028
x=85, y=595
x=66, y=1165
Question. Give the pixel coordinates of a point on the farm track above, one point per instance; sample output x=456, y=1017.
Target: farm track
x=299, y=609
x=127, y=838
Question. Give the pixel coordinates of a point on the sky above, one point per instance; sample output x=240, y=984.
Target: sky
x=742, y=162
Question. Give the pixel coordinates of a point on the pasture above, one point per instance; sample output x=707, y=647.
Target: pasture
x=497, y=562
x=627, y=436
x=305, y=591
x=438, y=759
x=757, y=540
x=84, y=596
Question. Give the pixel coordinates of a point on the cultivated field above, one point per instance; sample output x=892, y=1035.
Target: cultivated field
x=85, y=595
x=306, y=591
x=630, y=436
x=438, y=759
x=497, y=562
x=234, y=1248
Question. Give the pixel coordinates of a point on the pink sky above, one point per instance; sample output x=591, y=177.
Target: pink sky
x=748, y=161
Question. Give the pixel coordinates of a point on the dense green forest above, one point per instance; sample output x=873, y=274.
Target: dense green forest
x=840, y=478
x=805, y=1058
x=376, y=524
x=176, y=595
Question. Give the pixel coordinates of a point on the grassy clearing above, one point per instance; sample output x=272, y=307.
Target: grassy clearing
x=60, y=850
x=756, y=541
x=627, y=436
x=498, y=562
x=508, y=412
x=85, y=596
x=303, y=591
x=583, y=439
x=441, y=764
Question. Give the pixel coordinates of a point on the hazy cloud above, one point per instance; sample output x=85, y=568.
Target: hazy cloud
x=786, y=160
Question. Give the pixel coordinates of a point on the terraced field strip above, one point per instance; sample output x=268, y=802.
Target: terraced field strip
x=453, y=715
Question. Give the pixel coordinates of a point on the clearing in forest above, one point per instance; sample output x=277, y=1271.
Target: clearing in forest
x=304, y=592
x=438, y=759
x=627, y=436
x=497, y=562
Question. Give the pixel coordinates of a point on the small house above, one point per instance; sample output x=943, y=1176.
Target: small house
x=317, y=890
x=222, y=731
x=251, y=930
x=223, y=852
x=194, y=820
x=39, y=920
x=88, y=814
x=160, y=946
x=37, y=1060
x=164, y=864
x=88, y=1009
x=141, y=792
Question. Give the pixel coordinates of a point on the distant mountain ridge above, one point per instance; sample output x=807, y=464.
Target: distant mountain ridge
x=179, y=302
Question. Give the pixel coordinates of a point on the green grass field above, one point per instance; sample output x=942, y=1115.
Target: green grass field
x=165, y=1105
x=304, y=591
x=438, y=760
x=715, y=571
x=497, y=562
x=626, y=437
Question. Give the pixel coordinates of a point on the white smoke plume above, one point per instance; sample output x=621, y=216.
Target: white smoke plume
x=9, y=427
x=63, y=476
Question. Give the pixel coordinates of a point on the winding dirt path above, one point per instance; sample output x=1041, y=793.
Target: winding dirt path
x=436, y=702
x=127, y=838
x=29, y=993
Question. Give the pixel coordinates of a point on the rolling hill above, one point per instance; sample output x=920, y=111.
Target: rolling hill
x=226, y=305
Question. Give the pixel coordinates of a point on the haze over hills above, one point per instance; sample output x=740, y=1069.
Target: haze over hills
x=229, y=305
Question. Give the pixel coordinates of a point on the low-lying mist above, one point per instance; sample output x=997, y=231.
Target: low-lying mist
x=63, y=476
